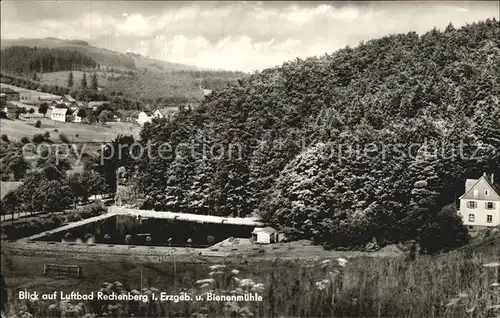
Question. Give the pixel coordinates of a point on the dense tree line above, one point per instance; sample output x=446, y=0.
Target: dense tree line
x=49, y=187
x=99, y=55
x=438, y=91
x=27, y=60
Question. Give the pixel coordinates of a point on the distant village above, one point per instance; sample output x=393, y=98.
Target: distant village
x=68, y=109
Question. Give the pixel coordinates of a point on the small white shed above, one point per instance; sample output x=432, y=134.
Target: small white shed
x=265, y=235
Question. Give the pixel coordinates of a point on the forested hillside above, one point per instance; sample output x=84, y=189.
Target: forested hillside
x=48, y=69
x=26, y=60
x=99, y=55
x=423, y=112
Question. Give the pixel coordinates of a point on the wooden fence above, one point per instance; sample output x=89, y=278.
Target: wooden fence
x=66, y=270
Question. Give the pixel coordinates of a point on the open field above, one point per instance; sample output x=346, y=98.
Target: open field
x=31, y=94
x=17, y=129
x=61, y=78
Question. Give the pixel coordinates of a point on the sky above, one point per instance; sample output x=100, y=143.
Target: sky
x=232, y=35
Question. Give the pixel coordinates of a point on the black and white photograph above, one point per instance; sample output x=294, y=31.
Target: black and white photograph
x=249, y=159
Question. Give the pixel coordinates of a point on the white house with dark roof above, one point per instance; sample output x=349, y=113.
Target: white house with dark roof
x=480, y=204
x=265, y=235
x=144, y=117
x=60, y=114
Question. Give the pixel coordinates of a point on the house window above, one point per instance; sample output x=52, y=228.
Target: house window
x=489, y=218
x=486, y=193
x=471, y=217
x=490, y=205
x=472, y=204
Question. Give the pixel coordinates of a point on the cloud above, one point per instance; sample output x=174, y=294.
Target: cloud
x=232, y=35
x=300, y=15
x=136, y=25
x=232, y=52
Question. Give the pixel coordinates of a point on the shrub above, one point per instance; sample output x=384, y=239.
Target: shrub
x=77, y=135
x=25, y=140
x=5, y=138
x=73, y=217
x=93, y=209
x=64, y=138
x=38, y=124
x=46, y=135
x=56, y=130
x=38, y=138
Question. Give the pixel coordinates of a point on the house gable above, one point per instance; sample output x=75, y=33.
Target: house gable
x=479, y=189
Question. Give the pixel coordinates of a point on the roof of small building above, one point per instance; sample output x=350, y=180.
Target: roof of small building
x=7, y=90
x=69, y=98
x=483, y=183
x=48, y=98
x=98, y=103
x=266, y=229
x=165, y=111
x=147, y=112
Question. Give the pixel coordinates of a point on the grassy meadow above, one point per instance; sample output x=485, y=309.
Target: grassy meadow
x=141, y=85
x=61, y=78
x=31, y=94
x=76, y=132
x=457, y=284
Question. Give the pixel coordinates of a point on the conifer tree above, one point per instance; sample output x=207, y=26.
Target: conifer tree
x=84, y=81
x=94, y=83
x=70, y=79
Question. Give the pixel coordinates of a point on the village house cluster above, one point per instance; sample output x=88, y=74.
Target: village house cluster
x=60, y=108
x=148, y=116
x=67, y=109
